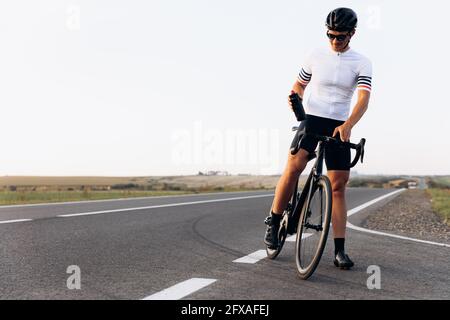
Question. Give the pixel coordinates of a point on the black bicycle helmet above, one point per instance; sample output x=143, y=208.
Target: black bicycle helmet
x=342, y=19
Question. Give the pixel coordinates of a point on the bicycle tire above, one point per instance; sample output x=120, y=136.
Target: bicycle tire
x=306, y=266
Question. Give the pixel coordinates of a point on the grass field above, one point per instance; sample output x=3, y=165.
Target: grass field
x=29, y=197
x=151, y=182
x=441, y=202
x=439, y=182
x=28, y=190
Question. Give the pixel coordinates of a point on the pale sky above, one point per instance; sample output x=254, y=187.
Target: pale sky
x=170, y=87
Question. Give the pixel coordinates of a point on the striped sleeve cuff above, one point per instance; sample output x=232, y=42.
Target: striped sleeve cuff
x=364, y=83
x=304, y=77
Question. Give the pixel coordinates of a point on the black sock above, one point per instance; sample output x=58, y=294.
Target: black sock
x=276, y=218
x=338, y=245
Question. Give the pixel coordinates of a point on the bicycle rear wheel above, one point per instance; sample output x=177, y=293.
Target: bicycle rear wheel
x=313, y=227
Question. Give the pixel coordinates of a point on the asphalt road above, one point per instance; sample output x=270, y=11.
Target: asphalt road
x=146, y=248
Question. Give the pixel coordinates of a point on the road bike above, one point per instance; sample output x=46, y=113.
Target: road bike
x=311, y=208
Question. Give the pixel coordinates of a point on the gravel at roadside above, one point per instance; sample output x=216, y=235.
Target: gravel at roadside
x=410, y=214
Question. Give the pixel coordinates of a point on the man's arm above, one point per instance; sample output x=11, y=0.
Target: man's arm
x=360, y=108
x=299, y=88
x=358, y=111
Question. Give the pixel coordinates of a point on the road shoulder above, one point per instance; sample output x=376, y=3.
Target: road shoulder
x=409, y=214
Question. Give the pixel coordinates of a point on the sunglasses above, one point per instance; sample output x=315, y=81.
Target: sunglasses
x=339, y=37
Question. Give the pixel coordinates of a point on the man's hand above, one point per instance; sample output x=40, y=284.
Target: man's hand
x=344, y=130
x=290, y=104
x=299, y=89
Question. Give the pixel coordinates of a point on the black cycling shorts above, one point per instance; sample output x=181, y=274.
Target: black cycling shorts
x=337, y=157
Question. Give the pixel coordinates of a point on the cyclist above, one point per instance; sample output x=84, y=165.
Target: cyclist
x=332, y=74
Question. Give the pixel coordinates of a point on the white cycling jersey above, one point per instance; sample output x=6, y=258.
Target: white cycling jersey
x=332, y=78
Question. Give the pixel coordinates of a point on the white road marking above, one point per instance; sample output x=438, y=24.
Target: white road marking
x=261, y=254
x=293, y=238
x=365, y=205
x=118, y=199
x=17, y=220
x=181, y=290
x=160, y=206
x=252, y=257
x=351, y=226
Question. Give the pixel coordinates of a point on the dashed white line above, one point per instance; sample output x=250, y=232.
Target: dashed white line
x=293, y=238
x=13, y=221
x=181, y=290
x=161, y=206
x=261, y=254
x=252, y=257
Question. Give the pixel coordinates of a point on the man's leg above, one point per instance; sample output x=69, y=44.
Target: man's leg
x=285, y=186
x=283, y=192
x=339, y=179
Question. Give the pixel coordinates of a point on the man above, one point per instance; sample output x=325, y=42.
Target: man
x=332, y=74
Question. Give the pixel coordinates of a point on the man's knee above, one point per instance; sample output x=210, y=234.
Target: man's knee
x=297, y=162
x=339, y=181
x=338, y=186
x=292, y=172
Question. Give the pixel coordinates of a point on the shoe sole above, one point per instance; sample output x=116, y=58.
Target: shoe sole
x=343, y=267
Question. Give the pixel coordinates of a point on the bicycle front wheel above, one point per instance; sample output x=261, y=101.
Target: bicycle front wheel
x=313, y=227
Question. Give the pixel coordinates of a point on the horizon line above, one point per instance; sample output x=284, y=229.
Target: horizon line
x=209, y=175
